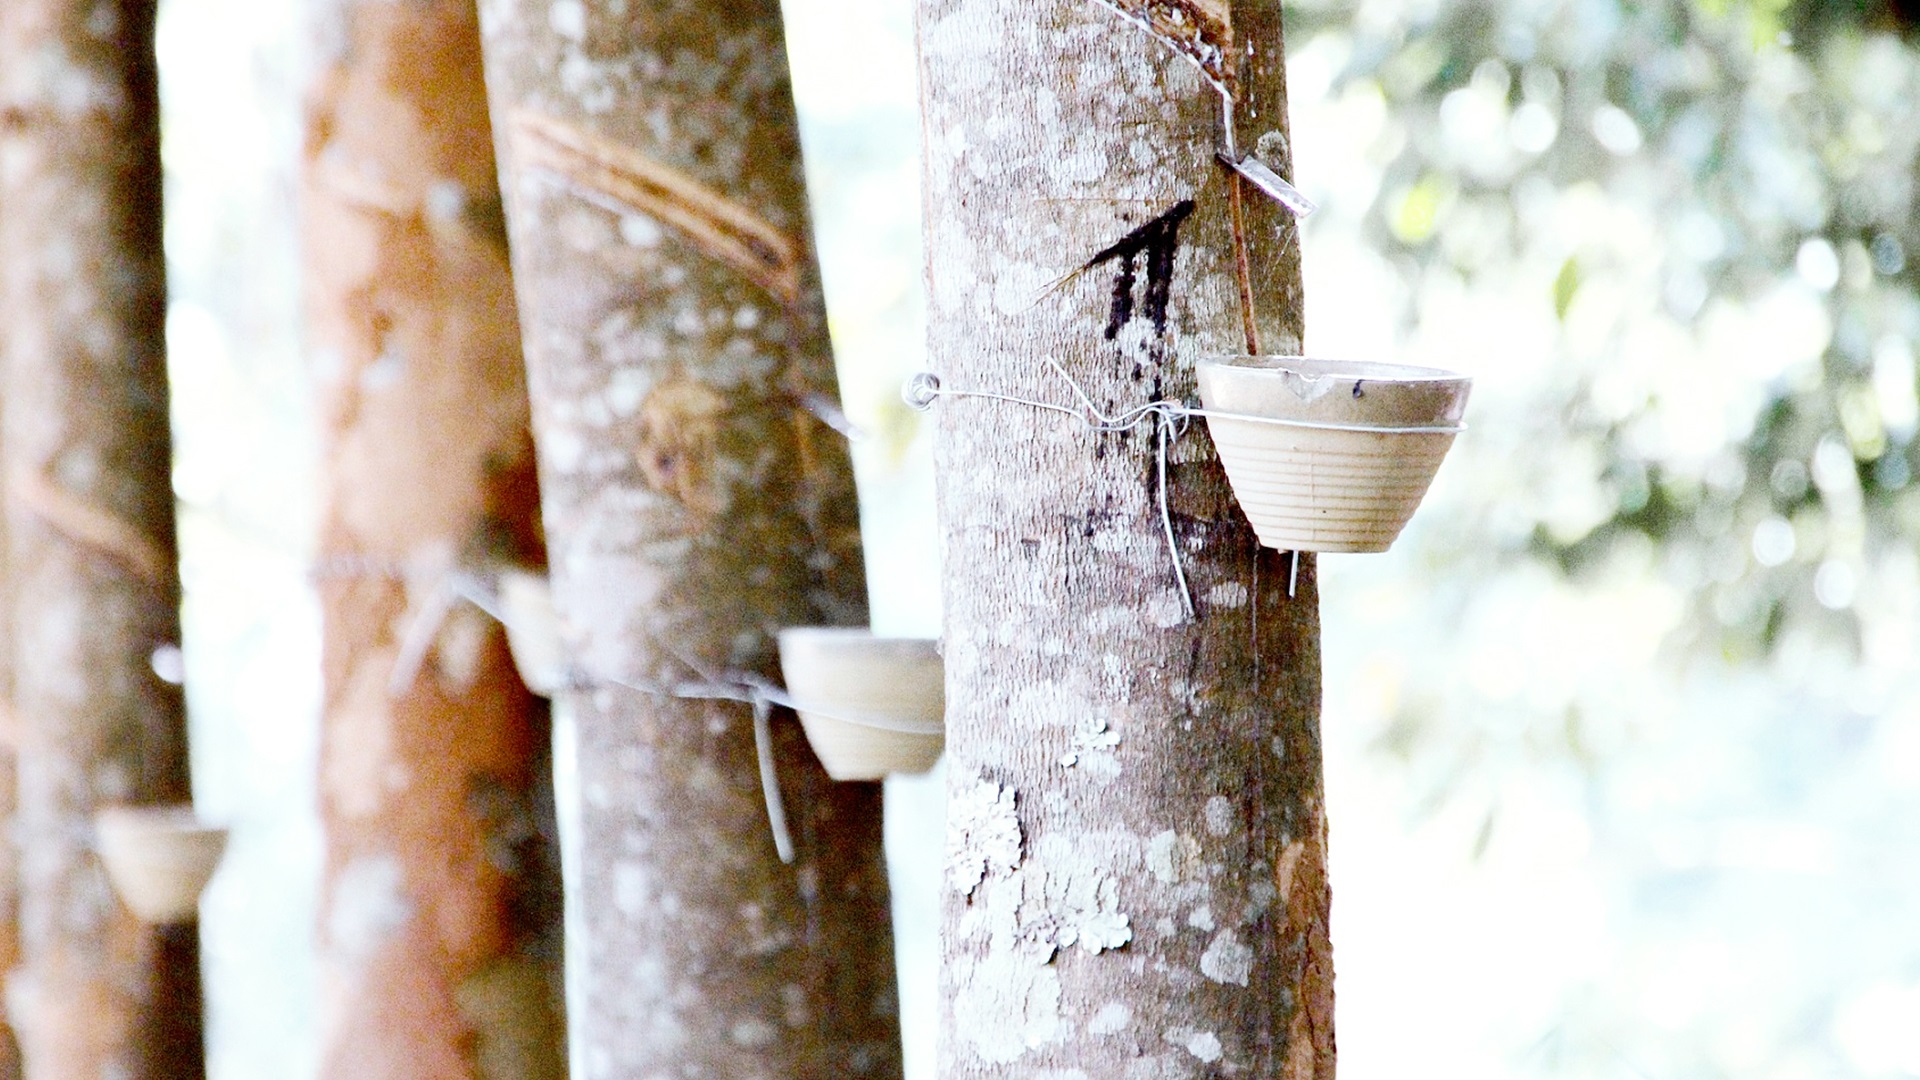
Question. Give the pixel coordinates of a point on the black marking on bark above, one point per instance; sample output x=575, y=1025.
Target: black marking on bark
x=1193, y=672
x=1122, y=309
x=1157, y=240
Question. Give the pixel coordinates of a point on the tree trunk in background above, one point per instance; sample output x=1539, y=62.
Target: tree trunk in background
x=1136, y=841
x=11, y=1066
x=693, y=506
x=92, y=576
x=439, y=933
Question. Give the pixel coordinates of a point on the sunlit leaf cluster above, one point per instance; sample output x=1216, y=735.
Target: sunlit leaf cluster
x=1712, y=203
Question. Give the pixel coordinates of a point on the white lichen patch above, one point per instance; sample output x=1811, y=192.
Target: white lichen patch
x=1069, y=896
x=1221, y=818
x=568, y=18
x=641, y=231
x=793, y=1002
x=369, y=903
x=1227, y=959
x=1097, y=930
x=1201, y=918
x=758, y=935
x=1010, y=1004
x=1112, y=1018
x=983, y=834
x=1065, y=893
x=1093, y=746
x=1289, y=860
x=630, y=889
x=1173, y=858
x=1204, y=1045
x=1227, y=594
x=1167, y=610
x=753, y=1032
x=1271, y=147
x=1260, y=895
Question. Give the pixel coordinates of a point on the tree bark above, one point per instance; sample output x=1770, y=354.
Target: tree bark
x=93, y=580
x=11, y=1066
x=1136, y=877
x=435, y=964
x=674, y=333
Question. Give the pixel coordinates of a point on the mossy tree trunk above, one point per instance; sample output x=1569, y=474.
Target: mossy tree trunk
x=439, y=925
x=693, y=506
x=1136, y=863
x=92, y=577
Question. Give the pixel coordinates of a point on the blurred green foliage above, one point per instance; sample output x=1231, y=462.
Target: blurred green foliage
x=1718, y=199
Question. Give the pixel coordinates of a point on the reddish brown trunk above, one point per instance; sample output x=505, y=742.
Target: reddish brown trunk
x=430, y=971
x=92, y=577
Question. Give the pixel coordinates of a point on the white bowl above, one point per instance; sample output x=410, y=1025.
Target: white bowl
x=533, y=631
x=1329, y=455
x=870, y=706
x=159, y=858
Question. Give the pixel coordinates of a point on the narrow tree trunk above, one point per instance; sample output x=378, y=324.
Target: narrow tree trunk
x=93, y=581
x=693, y=506
x=11, y=1067
x=1136, y=862
x=432, y=961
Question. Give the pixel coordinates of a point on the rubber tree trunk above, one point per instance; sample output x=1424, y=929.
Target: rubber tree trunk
x=1136, y=855
x=436, y=963
x=693, y=506
x=10, y=1064
x=92, y=575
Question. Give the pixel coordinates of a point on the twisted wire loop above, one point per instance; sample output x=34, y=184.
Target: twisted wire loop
x=743, y=687
x=1169, y=419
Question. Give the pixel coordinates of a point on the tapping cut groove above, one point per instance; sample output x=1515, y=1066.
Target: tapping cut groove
x=608, y=173
x=1200, y=30
x=89, y=526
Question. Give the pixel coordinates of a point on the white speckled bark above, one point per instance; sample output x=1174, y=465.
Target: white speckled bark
x=1137, y=883
x=671, y=311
